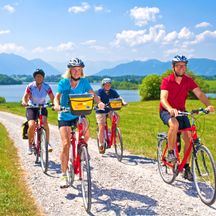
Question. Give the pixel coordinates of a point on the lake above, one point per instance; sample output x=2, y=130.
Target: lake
x=14, y=93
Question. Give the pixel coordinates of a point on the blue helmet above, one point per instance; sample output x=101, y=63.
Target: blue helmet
x=106, y=80
x=179, y=58
x=38, y=71
x=75, y=62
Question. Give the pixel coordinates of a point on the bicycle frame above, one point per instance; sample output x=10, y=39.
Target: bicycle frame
x=76, y=146
x=111, y=138
x=193, y=139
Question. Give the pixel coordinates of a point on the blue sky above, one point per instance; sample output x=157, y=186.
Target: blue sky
x=108, y=30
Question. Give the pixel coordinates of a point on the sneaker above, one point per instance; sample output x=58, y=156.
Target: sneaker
x=187, y=174
x=29, y=151
x=64, y=181
x=101, y=149
x=50, y=149
x=171, y=156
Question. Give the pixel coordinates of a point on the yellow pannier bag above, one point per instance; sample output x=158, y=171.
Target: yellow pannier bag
x=115, y=104
x=81, y=104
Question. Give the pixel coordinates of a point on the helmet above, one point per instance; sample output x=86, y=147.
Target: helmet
x=106, y=80
x=75, y=62
x=38, y=71
x=179, y=58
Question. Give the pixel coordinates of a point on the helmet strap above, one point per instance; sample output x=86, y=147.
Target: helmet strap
x=75, y=79
x=178, y=75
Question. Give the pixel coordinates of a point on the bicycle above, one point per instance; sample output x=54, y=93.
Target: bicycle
x=203, y=164
x=112, y=136
x=79, y=163
x=40, y=144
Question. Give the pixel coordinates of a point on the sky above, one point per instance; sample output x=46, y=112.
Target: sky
x=108, y=30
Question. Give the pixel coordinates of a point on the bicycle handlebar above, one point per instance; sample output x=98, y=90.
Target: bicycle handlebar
x=197, y=111
x=39, y=105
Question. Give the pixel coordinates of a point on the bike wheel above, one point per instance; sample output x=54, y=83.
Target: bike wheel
x=204, y=173
x=43, y=150
x=70, y=172
x=166, y=170
x=118, y=145
x=85, y=178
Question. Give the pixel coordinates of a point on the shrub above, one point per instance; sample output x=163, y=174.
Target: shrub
x=2, y=100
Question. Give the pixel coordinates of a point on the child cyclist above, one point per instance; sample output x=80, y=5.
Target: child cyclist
x=105, y=94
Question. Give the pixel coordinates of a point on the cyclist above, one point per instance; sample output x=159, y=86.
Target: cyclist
x=174, y=91
x=35, y=93
x=73, y=83
x=105, y=93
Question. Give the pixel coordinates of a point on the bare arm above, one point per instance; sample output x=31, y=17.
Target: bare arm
x=203, y=98
x=97, y=99
x=165, y=103
x=57, y=101
x=25, y=99
x=51, y=96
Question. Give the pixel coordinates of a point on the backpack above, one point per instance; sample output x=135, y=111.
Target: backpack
x=25, y=130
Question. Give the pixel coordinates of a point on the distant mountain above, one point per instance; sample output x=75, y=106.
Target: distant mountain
x=13, y=64
x=200, y=66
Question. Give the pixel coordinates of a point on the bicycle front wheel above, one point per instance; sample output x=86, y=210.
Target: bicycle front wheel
x=118, y=145
x=43, y=150
x=166, y=169
x=85, y=178
x=204, y=173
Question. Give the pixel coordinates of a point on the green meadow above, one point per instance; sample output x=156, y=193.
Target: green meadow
x=140, y=124
x=15, y=199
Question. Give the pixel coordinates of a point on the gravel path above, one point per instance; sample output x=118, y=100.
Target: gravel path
x=132, y=187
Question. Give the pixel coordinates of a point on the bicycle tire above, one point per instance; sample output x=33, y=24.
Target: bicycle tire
x=204, y=173
x=85, y=177
x=43, y=150
x=36, y=146
x=70, y=172
x=118, y=145
x=167, y=172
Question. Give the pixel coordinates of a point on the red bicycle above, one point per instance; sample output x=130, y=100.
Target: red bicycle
x=203, y=164
x=113, y=135
x=79, y=163
x=40, y=144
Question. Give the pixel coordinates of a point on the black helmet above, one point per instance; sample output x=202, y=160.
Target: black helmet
x=38, y=71
x=75, y=62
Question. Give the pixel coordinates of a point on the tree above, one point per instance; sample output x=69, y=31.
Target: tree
x=150, y=87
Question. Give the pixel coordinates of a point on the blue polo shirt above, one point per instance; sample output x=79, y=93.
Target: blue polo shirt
x=105, y=97
x=64, y=88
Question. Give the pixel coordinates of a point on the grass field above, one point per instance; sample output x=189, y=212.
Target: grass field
x=212, y=85
x=140, y=124
x=15, y=199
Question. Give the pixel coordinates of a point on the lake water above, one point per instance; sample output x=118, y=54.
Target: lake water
x=14, y=93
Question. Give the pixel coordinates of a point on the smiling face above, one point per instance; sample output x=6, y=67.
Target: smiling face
x=39, y=79
x=107, y=86
x=76, y=72
x=180, y=68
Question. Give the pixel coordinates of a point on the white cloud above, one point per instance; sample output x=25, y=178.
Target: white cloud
x=89, y=42
x=79, y=9
x=4, y=32
x=98, y=8
x=185, y=33
x=171, y=36
x=59, y=48
x=202, y=24
x=10, y=47
x=133, y=38
x=144, y=15
x=9, y=8
x=202, y=36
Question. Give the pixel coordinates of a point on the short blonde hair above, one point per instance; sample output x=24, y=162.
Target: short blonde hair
x=67, y=73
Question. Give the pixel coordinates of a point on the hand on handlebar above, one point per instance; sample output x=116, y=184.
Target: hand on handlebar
x=101, y=105
x=57, y=107
x=210, y=108
x=173, y=112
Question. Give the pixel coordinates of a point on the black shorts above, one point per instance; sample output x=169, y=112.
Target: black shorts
x=70, y=123
x=33, y=113
x=182, y=120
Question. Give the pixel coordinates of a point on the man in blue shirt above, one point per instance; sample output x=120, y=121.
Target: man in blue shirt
x=105, y=93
